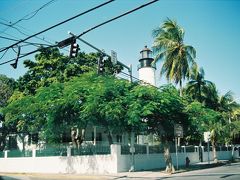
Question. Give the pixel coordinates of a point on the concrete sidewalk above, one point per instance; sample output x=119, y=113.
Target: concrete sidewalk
x=122, y=176
x=151, y=174
x=160, y=173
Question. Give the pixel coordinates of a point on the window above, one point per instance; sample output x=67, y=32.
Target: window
x=98, y=136
x=119, y=138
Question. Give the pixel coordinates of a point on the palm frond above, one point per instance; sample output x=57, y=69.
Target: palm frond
x=191, y=50
x=157, y=31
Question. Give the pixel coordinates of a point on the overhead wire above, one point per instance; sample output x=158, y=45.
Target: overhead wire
x=31, y=43
x=75, y=37
x=28, y=35
x=115, y=18
x=26, y=16
x=27, y=42
x=3, y=54
x=58, y=24
x=13, y=28
x=17, y=28
x=24, y=55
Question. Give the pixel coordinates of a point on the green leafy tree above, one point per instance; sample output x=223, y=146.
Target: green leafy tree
x=51, y=66
x=106, y=105
x=88, y=99
x=177, y=57
x=197, y=87
x=226, y=105
x=204, y=119
x=7, y=86
x=158, y=111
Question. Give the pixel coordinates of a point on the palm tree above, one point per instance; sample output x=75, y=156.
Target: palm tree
x=221, y=128
x=221, y=103
x=169, y=47
x=211, y=97
x=198, y=85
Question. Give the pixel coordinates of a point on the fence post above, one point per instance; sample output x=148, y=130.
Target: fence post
x=115, y=153
x=68, y=151
x=183, y=149
x=115, y=149
x=147, y=149
x=232, y=153
x=6, y=154
x=34, y=152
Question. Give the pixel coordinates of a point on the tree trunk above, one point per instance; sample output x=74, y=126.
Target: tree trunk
x=77, y=137
x=199, y=93
x=22, y=137
x=73, y=137
x=200, y=151
x=214, y=151
x=82, y=136
x=181, y=88
x=3, y=141
x=110, y=140
x=168, y=158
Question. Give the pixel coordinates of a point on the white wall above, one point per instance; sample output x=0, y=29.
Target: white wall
x=153, y=161
x=99, y=164
x=79, y=164
x=156, y=161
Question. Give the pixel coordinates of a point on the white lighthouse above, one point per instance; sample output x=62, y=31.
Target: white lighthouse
x=146, y=68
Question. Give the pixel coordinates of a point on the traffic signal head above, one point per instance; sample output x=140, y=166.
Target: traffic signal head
x=14, y=65
x=74, y=49
x=100, y=65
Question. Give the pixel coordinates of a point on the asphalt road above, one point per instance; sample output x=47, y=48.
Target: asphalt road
x=226, y=172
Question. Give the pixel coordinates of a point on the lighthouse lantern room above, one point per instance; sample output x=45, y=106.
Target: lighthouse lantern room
x=146, y=68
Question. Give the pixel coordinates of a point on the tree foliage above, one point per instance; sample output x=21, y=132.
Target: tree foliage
x=198, y=87
x=177, y=57
x=51, y=66
x=7, y=86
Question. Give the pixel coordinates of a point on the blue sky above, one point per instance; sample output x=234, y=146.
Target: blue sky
x=211, y=26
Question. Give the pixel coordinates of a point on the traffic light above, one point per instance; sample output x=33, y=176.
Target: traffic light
x=100, y=65
x=14, y=65
x=74, y=49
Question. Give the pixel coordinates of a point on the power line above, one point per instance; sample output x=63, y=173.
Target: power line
x=3, y=54
x=24, y=55
x=37, y=37
x=17, y=28
x=75, y=37
x=32, y=15
x=11, y=39
x=30, y=43
x=117, y=17
x=12, y=27
x=58, y=24
x=21, y=31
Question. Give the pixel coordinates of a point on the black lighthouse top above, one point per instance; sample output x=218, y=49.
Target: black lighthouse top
x=146, y=58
